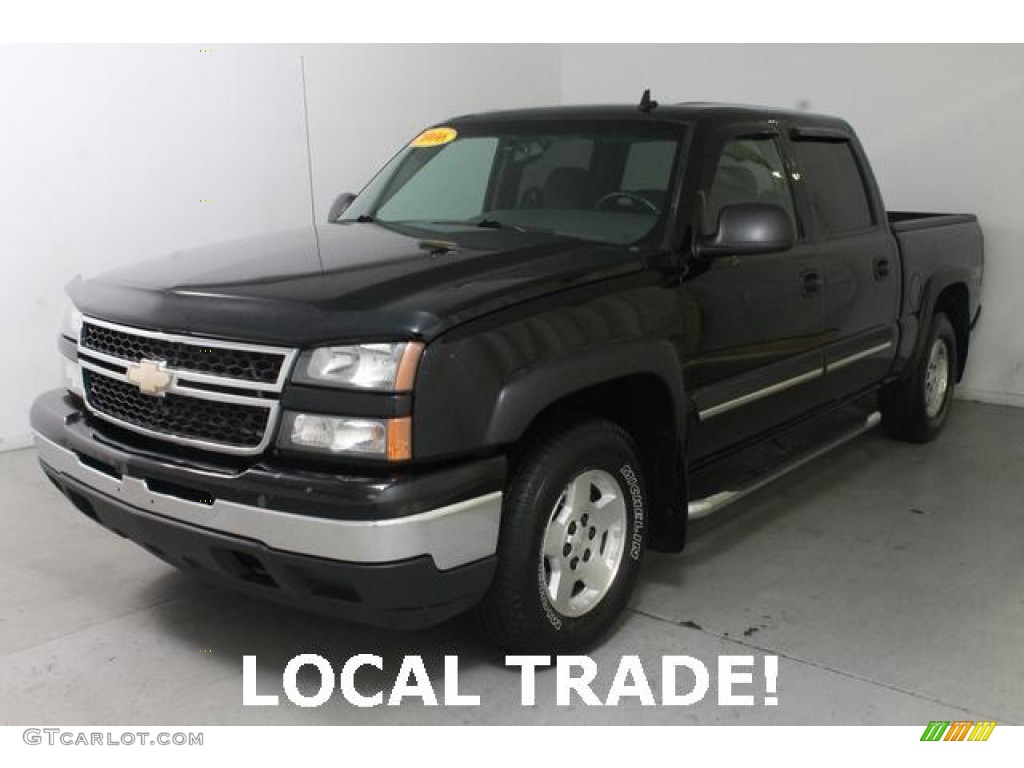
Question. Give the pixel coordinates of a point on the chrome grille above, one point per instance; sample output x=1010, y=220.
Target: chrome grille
x=208, y=420
x=232, y=363
x=221, y=396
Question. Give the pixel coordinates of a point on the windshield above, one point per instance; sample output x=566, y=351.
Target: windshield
x=608, y=182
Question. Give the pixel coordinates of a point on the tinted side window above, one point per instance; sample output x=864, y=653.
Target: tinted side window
x=836, y=187
x=748, y=171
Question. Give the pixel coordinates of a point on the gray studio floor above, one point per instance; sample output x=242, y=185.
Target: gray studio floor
x=888, y=578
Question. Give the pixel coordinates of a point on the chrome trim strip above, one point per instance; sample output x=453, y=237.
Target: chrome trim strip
x=849, y=359
x=177, y=389
x=751, y=397
x=209, y=445
x=180, y=374
x=718, y=501
x=287, y=354
x=181, y=378
x=453, y=535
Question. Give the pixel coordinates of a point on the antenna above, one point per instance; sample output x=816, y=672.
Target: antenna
x=309, y=161
x=646, y=102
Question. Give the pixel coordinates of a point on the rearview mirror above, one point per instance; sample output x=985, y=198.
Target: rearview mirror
x=341, y=202
x=747, y=228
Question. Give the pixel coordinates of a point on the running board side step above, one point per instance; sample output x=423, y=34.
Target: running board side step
x=716, y=502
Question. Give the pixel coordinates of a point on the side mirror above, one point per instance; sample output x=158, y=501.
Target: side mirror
x=341, y=202
x=747, y=228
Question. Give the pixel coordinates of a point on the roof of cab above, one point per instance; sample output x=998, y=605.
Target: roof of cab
x=684, y=112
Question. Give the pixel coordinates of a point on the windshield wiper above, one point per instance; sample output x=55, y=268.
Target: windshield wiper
x=495, y=224
x=365, y=218
x=486, y=223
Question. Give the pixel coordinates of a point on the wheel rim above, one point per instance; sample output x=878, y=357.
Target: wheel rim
x=584, y=542
x=936, y=378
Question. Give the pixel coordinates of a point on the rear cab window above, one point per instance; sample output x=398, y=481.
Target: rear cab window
x=835, y=185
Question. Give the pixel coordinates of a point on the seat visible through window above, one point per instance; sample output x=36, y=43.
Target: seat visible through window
x=748, y=171
x=568, y=188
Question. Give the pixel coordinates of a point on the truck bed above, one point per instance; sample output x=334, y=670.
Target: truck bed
x=948, y=246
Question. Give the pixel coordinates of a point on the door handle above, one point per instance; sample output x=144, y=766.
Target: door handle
x=881, y=268
x=811, y=283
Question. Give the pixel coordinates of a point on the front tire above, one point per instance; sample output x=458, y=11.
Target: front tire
x=915, y=409
x=573, y=534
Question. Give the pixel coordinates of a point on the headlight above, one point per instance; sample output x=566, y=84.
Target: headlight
x=389, y=367
x=70, y=330
x=71, y=326
x=73, y=381
x=340, y=435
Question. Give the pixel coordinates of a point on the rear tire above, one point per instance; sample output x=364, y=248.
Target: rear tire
x=573, y=534
x=915, y=409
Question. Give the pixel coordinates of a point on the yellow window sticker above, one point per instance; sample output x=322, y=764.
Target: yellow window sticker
x=434, y=137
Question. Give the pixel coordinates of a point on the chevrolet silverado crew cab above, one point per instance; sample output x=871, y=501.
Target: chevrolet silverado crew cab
x=537, y=344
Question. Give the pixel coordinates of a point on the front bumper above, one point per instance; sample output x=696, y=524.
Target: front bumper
x=406, y=566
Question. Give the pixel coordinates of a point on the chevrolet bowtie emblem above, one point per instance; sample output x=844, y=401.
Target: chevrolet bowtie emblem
x=150, y=377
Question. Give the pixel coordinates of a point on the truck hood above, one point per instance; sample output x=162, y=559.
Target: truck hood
x=345, y=282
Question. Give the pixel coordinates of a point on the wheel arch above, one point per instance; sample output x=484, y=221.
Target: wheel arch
x=638, y=386
x=947, y=293
x=954, y=302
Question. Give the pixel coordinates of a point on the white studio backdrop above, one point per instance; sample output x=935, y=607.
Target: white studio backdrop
x=109, y=154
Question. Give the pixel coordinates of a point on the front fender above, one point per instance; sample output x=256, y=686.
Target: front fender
x=525, y=396
x=479, y=387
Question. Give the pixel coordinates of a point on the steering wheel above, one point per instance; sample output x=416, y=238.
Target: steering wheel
x=631, y=196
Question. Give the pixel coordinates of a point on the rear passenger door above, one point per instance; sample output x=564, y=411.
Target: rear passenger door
x=856, y=255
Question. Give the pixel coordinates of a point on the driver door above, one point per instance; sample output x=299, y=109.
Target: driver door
x=758, y=320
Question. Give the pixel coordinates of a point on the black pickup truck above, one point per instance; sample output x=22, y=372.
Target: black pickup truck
x=537, y=343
